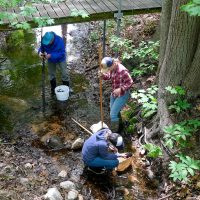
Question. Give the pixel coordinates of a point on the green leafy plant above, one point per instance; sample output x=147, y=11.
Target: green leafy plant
x=143, y=69
x=153, y=150
x=183, y=169
x=179, y=133
x=132, y=125
x=94, y=36
x=193, y=8
x=176, y=134
x=25, y=10
x=147, y=100
x=180, y=104
x=176, y=90
x=124, y=45
x=43, y=21
x=193, y=123
x=147, y=53
x=147, y=50
x=76, y=13
x=128, y=117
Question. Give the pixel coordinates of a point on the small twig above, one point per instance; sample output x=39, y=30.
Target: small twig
x=169, y=195
x=8, y=143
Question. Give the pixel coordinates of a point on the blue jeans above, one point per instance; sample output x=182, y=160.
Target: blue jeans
x=116, y=104
x=100, y=162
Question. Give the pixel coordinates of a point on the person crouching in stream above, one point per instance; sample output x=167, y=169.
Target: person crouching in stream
x=113, y=70
x=101, y=150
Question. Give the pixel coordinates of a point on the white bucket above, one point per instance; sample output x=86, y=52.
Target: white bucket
x=62, y=92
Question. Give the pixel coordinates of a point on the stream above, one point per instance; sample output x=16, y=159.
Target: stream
x=51, y=134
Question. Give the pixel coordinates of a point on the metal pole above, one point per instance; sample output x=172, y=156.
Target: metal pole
x=104, y=38
x=43, y=76
x=119, y=17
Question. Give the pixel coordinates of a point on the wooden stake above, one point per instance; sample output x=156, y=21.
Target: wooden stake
x=100, y=84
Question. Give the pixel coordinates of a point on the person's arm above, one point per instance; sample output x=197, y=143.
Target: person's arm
x=127, y=81
x=104, y=76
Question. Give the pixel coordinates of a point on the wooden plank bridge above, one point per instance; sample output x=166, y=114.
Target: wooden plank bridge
x=96, y=10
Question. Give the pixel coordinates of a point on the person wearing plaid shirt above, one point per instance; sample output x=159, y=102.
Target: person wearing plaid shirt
x=113, y=70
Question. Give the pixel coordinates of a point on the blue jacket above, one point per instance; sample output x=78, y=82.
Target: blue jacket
x=56, y=49
x=97, y=146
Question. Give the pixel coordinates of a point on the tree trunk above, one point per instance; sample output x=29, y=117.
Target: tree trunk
x=165, y=19
x=191, y=82
x=179, y=55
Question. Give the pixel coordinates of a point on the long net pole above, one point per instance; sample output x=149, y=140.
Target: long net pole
x=43, y=76
x=100, y=84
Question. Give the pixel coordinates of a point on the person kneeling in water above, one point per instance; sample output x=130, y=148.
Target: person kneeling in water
x=101, y=149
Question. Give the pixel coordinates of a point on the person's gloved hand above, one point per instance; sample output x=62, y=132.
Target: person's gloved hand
x=128, y=154
x=47, y=56
x=42, y=55
x=124, y=155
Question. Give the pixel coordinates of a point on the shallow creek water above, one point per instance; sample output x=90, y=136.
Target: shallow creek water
x=21, y=103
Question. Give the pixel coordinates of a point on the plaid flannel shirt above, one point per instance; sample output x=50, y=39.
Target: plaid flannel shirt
x=120, y=78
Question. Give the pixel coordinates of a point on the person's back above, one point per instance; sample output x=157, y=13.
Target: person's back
x=90, y=148
x=56, y=49
x=100, y=149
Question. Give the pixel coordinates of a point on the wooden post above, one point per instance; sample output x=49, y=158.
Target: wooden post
x=100, y=84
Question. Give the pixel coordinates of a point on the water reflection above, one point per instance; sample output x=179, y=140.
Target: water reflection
x=21, y=74
x=20, y=77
